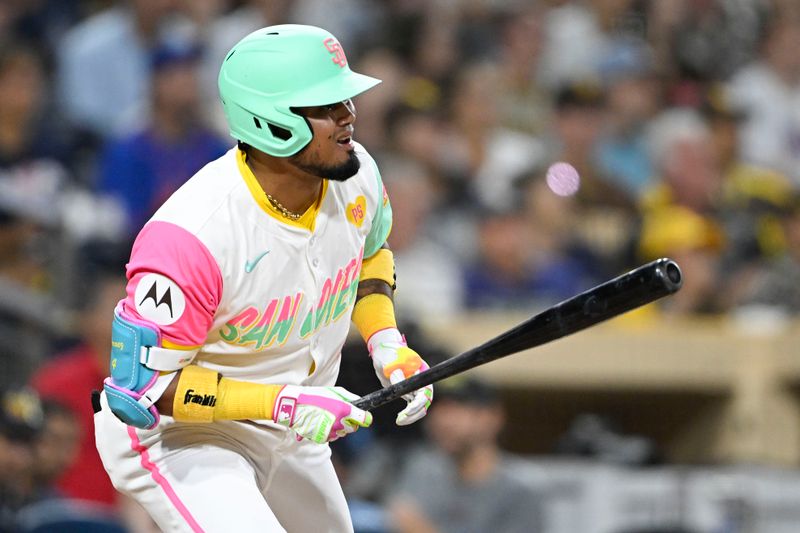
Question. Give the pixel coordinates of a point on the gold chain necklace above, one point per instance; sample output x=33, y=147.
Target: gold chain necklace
x=291, y=215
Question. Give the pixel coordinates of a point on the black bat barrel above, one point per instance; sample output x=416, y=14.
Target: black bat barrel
x=638, y=287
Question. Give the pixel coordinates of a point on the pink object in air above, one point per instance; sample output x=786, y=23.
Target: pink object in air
x=563, y=179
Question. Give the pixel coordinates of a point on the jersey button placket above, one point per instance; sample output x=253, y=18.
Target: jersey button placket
x=311, y=242
x=314, y=261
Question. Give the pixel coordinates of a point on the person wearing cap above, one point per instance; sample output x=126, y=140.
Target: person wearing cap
x=777, y=284
x=752, y=197
x=462, y=481
x=21, y=424
x=143, y=168
x=224, y=354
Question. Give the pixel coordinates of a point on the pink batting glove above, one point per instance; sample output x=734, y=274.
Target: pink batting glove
x=319, y=414
x=394, y=361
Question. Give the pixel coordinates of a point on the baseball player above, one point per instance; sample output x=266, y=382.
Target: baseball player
x=241, y=289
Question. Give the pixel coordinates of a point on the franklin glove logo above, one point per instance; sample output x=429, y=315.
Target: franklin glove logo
x=208, y=400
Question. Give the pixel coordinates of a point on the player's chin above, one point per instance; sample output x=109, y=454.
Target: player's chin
x=345, y=170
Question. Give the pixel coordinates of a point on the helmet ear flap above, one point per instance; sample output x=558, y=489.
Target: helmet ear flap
x=282, y=137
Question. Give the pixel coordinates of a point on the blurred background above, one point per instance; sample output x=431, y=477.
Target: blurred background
x=682, y=118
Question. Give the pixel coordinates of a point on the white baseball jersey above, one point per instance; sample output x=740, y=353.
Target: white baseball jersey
x=265, y=300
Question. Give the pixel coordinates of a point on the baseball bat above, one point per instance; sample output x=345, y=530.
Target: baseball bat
x=638, y=287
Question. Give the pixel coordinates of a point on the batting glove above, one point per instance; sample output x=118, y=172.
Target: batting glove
x=394, y=361
x=319, y=414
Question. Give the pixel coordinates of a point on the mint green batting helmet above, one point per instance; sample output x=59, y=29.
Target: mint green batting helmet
x=279, y=67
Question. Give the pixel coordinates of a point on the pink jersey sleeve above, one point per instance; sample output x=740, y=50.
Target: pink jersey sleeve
x=173, y=282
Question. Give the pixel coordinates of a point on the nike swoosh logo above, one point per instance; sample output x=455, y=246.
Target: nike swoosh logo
x=250, y=265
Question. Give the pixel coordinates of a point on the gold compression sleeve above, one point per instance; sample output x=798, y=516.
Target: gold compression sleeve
x=372, y=313
x=379, y=266
x=375, y=312
x=202, y=397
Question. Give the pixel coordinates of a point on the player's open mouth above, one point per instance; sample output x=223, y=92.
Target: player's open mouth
x=346, y=142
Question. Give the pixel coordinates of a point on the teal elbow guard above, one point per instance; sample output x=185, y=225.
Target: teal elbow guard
x=136, y=359
x=130, y=380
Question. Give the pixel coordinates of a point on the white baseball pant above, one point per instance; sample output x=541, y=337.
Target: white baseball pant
x=224, y=476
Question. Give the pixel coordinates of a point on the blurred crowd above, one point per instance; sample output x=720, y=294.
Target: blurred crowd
x=682, y=118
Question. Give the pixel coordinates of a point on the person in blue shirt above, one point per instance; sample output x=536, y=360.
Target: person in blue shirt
x=144, y=168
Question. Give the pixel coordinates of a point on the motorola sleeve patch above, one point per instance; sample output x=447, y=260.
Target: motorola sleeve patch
x=159, y=299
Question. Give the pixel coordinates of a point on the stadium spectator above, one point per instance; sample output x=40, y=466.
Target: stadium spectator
x=580, y=111
x=574, y=42
x=778, y=284
x=679, y=213
x=40, y=24
x=553, y=240
x=712, y=39
x=523, y=104
x=32, y=180
x=55, y=448
x=103, y=64
x=751, y=197
x=510, y=274
x=375, y=106
x=70, y=377
x=501, y=276
x=47, y=510
x=21, y=422
x=434, y=54
x=768, y=91
x=415, y=130
x=30, y=129
x=606, y=215
x=367, y=516
x=429, y=274
x=579, y=36
x=464, y=482
x=32, y=153
x=633, y=96
x=481, y=157
x=143, y=168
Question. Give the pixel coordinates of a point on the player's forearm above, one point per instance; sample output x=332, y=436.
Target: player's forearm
x=222, y=407
x=374, y=306
x=201, y=395
x=320, y=414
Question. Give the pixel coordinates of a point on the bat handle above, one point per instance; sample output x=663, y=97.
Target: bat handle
x=392, y=392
